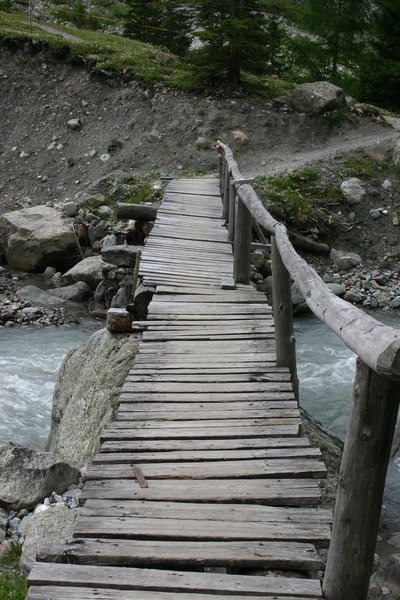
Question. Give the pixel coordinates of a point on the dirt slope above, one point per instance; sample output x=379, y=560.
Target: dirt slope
x=42, y=159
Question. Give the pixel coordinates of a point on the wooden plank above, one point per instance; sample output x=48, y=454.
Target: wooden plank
x=274, y=374
x=266, y=468
x=182, y=407
x=204, y=414
x=223, y=444
x=210, y=424
x=192, y=387
x=277, y=492
x=131, y=396
x=176, y=581
x=95, y=593
x=229, y=513
x=204, y=455
x=176, y=554
x=199, y=432
x=251, y=468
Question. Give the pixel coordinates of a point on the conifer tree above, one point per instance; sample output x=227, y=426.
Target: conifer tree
x=161, y=22
x=340, y=25
x=380, y=76
x=234, y=37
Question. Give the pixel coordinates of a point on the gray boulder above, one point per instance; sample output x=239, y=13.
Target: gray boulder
x=299, y=304
x=34, y=238
x=53, y=526
x=388, y=574
x=337, y=288
x=89, y=270
x=344, y=260
x=317, y=98
x=27, y=476
x=86, y=394
x=122, y=256
x=37, y=297
x=77, y=292
x=353, y=191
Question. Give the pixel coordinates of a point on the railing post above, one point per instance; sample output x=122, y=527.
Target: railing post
x=232, y=212
x=225, y=194
x=242, y=242
x=283, y=317
x=361, y=485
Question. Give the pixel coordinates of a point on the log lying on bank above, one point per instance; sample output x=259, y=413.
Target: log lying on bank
x=137, y=212
x=301, y=242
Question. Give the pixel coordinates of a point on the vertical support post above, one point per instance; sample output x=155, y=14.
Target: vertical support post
x=222, y=164
x=283, y=317
x=232, y=212
x=30, y=17
x=242, y=245
x=361, y=485
x=225, y=194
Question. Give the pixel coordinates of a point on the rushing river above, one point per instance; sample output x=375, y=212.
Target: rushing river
x=29, y=362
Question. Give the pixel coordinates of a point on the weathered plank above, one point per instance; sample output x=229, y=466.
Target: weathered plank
x=95, y=593
x=176, y=581
x=170, y=553
x=277, y=492
x=224, y=444
x=229, y=513
x=204, y=455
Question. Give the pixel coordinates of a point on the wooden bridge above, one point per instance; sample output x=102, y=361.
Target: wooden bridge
x=204, y=486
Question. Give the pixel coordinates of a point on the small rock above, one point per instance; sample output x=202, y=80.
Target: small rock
x=23, y=154
x=387, y=184
x=374, y=214
x=71, y=209
x=353, y=191
x=105, y=157
x=395, y=220
x=202, y=143
x=344, y=260
x=74, y=124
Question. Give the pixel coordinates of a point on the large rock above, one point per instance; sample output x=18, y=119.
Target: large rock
x=317, y=98
x=27, y=476
x=86, y=394
x=34, y=238
x=37, y=297
x=344, y=260
x=53, y=526
x=77, y=292
x=353, y=191
x=122, y=256
x=89, y=270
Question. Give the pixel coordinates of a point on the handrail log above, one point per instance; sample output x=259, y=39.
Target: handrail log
x=376, y=344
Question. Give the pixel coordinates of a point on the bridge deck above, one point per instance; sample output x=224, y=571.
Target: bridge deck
x=203, y=468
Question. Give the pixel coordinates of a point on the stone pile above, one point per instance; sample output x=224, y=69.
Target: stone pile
x=346, y=276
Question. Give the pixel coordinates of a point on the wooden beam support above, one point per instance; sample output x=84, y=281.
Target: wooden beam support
x=361, y=484
x=242, y=246
x=283, y=317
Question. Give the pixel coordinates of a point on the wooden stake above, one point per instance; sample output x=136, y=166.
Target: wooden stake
x=361, y=484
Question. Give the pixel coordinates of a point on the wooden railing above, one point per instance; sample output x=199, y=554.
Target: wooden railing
x=376, y=389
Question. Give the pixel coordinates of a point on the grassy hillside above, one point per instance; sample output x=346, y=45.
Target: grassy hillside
x=123, y=56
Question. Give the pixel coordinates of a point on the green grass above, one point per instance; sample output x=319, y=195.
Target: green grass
x=119, y=55
x=12, y=582
x=104, y=52
x=298, y=199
